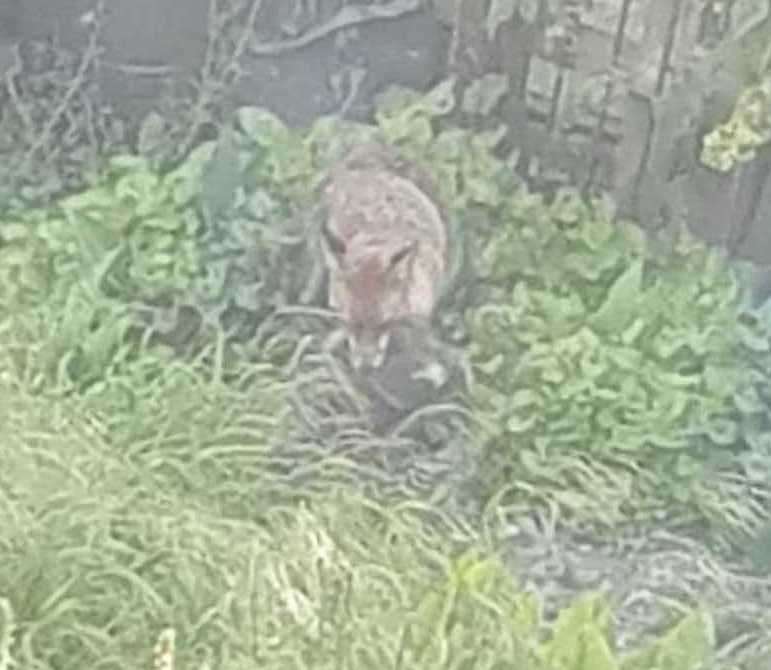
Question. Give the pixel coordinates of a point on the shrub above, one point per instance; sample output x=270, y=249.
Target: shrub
x=600, y=362
x=79, y=276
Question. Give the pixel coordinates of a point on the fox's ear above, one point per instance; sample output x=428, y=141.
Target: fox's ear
x=402, y=253
x=332, y=246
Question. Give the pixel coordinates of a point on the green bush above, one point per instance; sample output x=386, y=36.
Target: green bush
x=600, y=363
x=70, y=273
x=131, y=236
x=76, y=277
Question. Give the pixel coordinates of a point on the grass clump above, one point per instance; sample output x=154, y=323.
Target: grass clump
x=112, y=537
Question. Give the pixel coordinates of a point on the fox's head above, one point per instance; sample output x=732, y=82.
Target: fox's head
x=369, y=286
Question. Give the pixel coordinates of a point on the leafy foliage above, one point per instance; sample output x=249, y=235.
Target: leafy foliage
x=600, y=363
x=74, y=269
x=739, y=488
x=145, y=239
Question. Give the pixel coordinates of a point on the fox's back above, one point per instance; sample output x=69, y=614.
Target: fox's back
x=377, y=205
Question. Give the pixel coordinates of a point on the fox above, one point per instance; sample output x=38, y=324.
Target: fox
x=385, y=245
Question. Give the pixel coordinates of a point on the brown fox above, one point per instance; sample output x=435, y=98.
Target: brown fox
x=385, y=246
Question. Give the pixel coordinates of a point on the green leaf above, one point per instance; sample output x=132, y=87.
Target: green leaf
x=568, y=207
x=596, y=653
x=635, y=329
x=527, y=615
x=394, y=100
x=665, y=439
x=93, y=200
x=482, y=191
x=720, y=381
x=553, y=373
x=408, y=129
x=137, y=186
x=262, y=126
x=596, y=233
x=516, y=424
x=754, y=339
x=330, y=135
x=524, y=398
x=100, y=344
x=621, y=301
x=633, y=236
x=440, y=100
x=472, y=572
x=16, y=255
x=491, y=366
x=128, y=163
x=184, y=182
x=560, y=312
x=723, y=432
x=688, y=646
x=12, y=231
x=748, y=401
x=101, y=271
x=584, y=264
x=161, y=258
x=76, y=316
x=449, y=145
x=487, y=141
x=575, y=501
x=674, y=380
x=578, y=640
x=165, y=242
x=169, y=223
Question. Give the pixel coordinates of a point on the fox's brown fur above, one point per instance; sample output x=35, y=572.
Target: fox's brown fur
x=385, y=242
